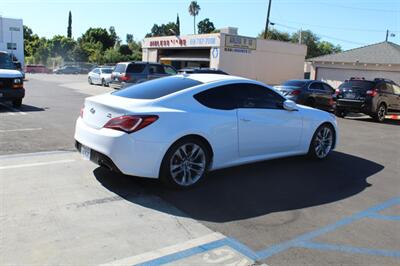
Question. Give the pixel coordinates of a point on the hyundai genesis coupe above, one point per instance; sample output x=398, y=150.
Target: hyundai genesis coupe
x=180, y=127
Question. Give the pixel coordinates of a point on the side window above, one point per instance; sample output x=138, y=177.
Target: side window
x=328, y=88
x=389, y=88
x=316, y=86
x=222, y=98
x=256, y=96
x=97, y=71
x=396, y=89
x=156, y=69
x=169, y=70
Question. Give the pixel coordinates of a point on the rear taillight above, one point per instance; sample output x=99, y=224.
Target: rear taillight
x=295, y=92
x=337, y=91
x=124, y=77
x=81, y=112
x=372, y=92
x=130, y=123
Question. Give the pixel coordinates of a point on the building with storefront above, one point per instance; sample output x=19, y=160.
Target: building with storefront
x=268, y=61
x=12, y=37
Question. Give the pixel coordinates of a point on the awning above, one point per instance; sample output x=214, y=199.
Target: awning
x=184, y=58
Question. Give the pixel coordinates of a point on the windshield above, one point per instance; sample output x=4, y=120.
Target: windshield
x=295, y=83
x=157, y=88
x=5, y=62
x=106, y=70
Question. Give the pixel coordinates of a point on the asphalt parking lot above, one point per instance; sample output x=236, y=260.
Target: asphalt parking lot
x=59, y=209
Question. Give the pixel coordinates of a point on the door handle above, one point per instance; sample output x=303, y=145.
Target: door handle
x=245, y=120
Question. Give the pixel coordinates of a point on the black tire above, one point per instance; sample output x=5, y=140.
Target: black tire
x=90, y=81
x=312, y=151
x=340, y=113
x=17, y=103
x=103, y=83
x=380, y=114
x=165, y=171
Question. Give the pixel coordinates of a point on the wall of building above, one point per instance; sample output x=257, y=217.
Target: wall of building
x=12, y=36
x=336, y=73
x=272, y=62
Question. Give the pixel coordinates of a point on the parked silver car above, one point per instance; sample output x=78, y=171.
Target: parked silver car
x=100, y=76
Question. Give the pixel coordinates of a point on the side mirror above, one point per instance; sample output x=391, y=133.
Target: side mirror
x=290, y=105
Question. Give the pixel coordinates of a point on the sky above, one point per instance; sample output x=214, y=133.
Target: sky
x=348, y=23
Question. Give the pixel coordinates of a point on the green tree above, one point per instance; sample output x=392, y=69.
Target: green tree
x=125, y=50
x=205, y=26
x=194, y=9
x=97, y=35
x=114, y=36
x=61, y=46
x=178, y=25
x=274, y=34
x=69, y=29
x=31, y=41
x=168, y=29
x=129, y=38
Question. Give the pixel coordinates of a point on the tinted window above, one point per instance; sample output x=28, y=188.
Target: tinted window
x=5, y=61
x=157, y=88
x=256, y=96
x=359, y=84
x=296, y=83
x=317, y=86
x=223, y=98
x=328, y=88
x=120, y=68
x=136, y=68
x=156, y=69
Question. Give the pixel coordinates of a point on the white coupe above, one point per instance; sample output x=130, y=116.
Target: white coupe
x=177, y=128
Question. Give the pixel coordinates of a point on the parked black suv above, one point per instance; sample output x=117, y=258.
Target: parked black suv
x=376, y=98
x=128, y=73
x=313, y=93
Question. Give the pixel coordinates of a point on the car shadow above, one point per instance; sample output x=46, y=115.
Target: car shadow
x=8, y=108
x=387, y=121
x=256, y=189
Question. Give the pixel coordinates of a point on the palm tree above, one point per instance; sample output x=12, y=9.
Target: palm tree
x=194, y=9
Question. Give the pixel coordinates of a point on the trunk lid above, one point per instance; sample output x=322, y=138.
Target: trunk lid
x=100, y=109
x=355, y=90
x=286, y=90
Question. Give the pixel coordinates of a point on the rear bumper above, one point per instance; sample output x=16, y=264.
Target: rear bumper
x=11, y=94
x=353, y=106
x=120, y=151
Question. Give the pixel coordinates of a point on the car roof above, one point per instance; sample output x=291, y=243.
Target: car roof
x=207, y=78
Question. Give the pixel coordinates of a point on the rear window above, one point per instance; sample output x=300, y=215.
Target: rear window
x=359, y=84
x=157, y=88
x=135, y=68
x=120, y=68
x=295, y=83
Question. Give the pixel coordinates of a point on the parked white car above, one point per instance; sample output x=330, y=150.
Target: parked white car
x=177, y=128
x=100, y=76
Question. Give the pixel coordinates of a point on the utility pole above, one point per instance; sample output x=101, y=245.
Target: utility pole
x=266, y=24
x=387, y=35
x=300, y=32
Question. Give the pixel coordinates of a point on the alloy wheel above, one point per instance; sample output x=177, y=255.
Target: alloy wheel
x=323, y=142
x=187, y=164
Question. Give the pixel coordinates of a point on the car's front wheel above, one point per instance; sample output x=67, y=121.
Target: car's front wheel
x=17, y=103
x=322, y=142
x=185, y=163
x=90, y=81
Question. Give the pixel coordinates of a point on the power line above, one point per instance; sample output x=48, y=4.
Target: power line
x=322, y=35
x=337, y=28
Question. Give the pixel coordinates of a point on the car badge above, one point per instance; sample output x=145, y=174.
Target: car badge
x=92, y=110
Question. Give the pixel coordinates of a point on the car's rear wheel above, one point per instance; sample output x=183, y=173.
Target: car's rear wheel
x=381, y=113
x=340, y=113
x=17, y=103
x=322, y=142
x=185, y=163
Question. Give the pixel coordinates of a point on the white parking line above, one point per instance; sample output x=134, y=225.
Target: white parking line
x=19, y=130
x=166, y=251
x=33, y=164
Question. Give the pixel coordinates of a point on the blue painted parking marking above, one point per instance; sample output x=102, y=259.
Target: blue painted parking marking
x=302, y=241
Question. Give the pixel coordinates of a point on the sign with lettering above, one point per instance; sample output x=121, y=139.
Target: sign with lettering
x=208, y=40
x=234, y=41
